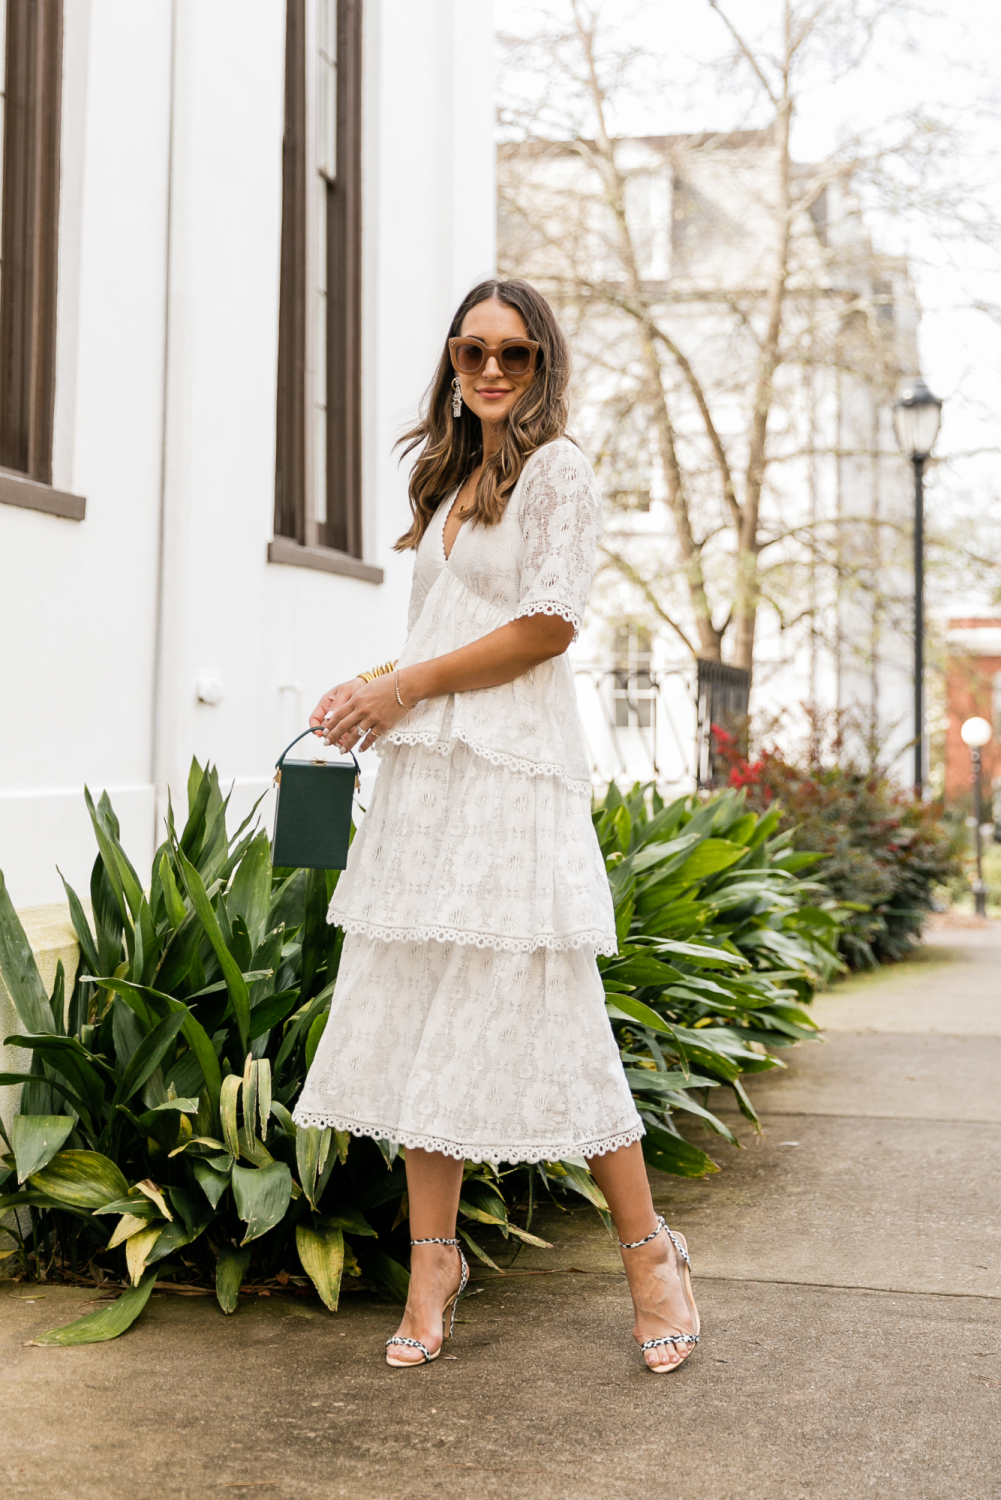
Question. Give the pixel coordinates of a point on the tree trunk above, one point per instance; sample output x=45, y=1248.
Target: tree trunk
x=745, y=604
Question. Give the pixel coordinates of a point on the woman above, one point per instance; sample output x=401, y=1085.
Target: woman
x=468, y=1019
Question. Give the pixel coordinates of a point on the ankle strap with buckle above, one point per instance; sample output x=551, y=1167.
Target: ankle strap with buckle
x=679, y=1247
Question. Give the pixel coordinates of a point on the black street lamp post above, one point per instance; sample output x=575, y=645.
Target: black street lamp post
x=916, y=415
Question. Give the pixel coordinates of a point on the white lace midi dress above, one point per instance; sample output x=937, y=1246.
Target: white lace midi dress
x=468, y=1015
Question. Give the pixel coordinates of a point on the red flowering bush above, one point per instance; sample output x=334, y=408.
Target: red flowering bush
x=884, y=853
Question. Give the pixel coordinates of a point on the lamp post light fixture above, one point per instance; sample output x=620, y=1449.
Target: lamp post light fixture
x=916, y=416
x=975, y=733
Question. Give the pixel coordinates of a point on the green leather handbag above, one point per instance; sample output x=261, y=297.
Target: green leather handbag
x=313, y=811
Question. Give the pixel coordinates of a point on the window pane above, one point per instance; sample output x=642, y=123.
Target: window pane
x=32, y=83
x=344, y=529
x=320, y=465
x=621, y=713
x=326, y=28
x=320, y=359
x=292, y=478
x=320, y=385
x=326, y=88
x=320, y=230
x=644, y=712
x=321, y=189
x=3, y=80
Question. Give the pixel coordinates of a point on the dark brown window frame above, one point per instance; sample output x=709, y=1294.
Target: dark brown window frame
x=29, y=258
x=322, y=560
x=290, y=452
x=28, y=494
x=343, y=467
x=336, y=544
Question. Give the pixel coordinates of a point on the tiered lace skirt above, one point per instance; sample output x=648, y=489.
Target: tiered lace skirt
x=468, y=1015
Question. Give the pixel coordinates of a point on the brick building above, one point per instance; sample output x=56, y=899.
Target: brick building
x=973, y=686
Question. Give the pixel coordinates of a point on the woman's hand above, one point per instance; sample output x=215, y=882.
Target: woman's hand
x=359, y=712
x=355, y=714
x=331, y=702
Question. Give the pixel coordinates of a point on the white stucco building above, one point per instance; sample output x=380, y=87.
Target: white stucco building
x=835, y=613
x=233, y=234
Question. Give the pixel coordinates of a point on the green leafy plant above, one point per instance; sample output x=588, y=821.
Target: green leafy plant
x=721, y=943
x=883, y=855
x=155, y=1140
x=155, y=1123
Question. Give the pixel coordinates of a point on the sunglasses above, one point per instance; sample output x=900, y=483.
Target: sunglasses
x=515, y=356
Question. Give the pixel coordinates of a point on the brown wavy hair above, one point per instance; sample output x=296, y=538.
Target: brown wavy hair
x=451, y=447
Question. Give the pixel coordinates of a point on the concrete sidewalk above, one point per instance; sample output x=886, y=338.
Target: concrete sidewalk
x=846, y=1269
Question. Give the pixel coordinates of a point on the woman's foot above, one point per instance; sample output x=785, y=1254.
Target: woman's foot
x=435, y=1275
x=655, y=1273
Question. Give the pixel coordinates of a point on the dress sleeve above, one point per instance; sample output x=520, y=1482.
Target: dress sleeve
x=561, y=526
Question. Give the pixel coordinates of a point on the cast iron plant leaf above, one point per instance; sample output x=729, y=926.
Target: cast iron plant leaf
x=156, y=1111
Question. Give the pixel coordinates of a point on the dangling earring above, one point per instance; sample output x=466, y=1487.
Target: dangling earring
x=457, y=397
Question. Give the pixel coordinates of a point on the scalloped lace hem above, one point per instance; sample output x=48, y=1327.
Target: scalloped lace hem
x=550, y=607
x=431, y=740
x=592, y=938
x=513, y=1155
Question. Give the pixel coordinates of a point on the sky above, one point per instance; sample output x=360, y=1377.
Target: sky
x=946, y=64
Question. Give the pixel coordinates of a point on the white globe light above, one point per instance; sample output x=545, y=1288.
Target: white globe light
x=975, y=732
x=916, y=415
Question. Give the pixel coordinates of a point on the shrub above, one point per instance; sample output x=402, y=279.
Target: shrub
x=155, y=1134
x=722, y=942
x=883, y=853
x=160, y=1094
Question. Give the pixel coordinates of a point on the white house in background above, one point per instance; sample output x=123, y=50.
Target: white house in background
x=698, y=213
x=233, y=232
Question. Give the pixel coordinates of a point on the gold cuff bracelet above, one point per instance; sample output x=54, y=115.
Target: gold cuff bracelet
x=374, y=672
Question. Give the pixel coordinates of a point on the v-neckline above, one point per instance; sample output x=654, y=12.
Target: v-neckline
x=448, y=555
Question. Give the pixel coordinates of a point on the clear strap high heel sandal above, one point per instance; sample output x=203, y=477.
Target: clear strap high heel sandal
x=685, y=1274
x=453, y=1301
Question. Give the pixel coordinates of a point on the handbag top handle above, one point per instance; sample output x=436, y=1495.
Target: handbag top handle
x=311, y=730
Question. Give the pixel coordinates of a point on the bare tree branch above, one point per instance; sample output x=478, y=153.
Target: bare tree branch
x=696, y=389
x=628, y=571
x=746, y=51
x=734, y=329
